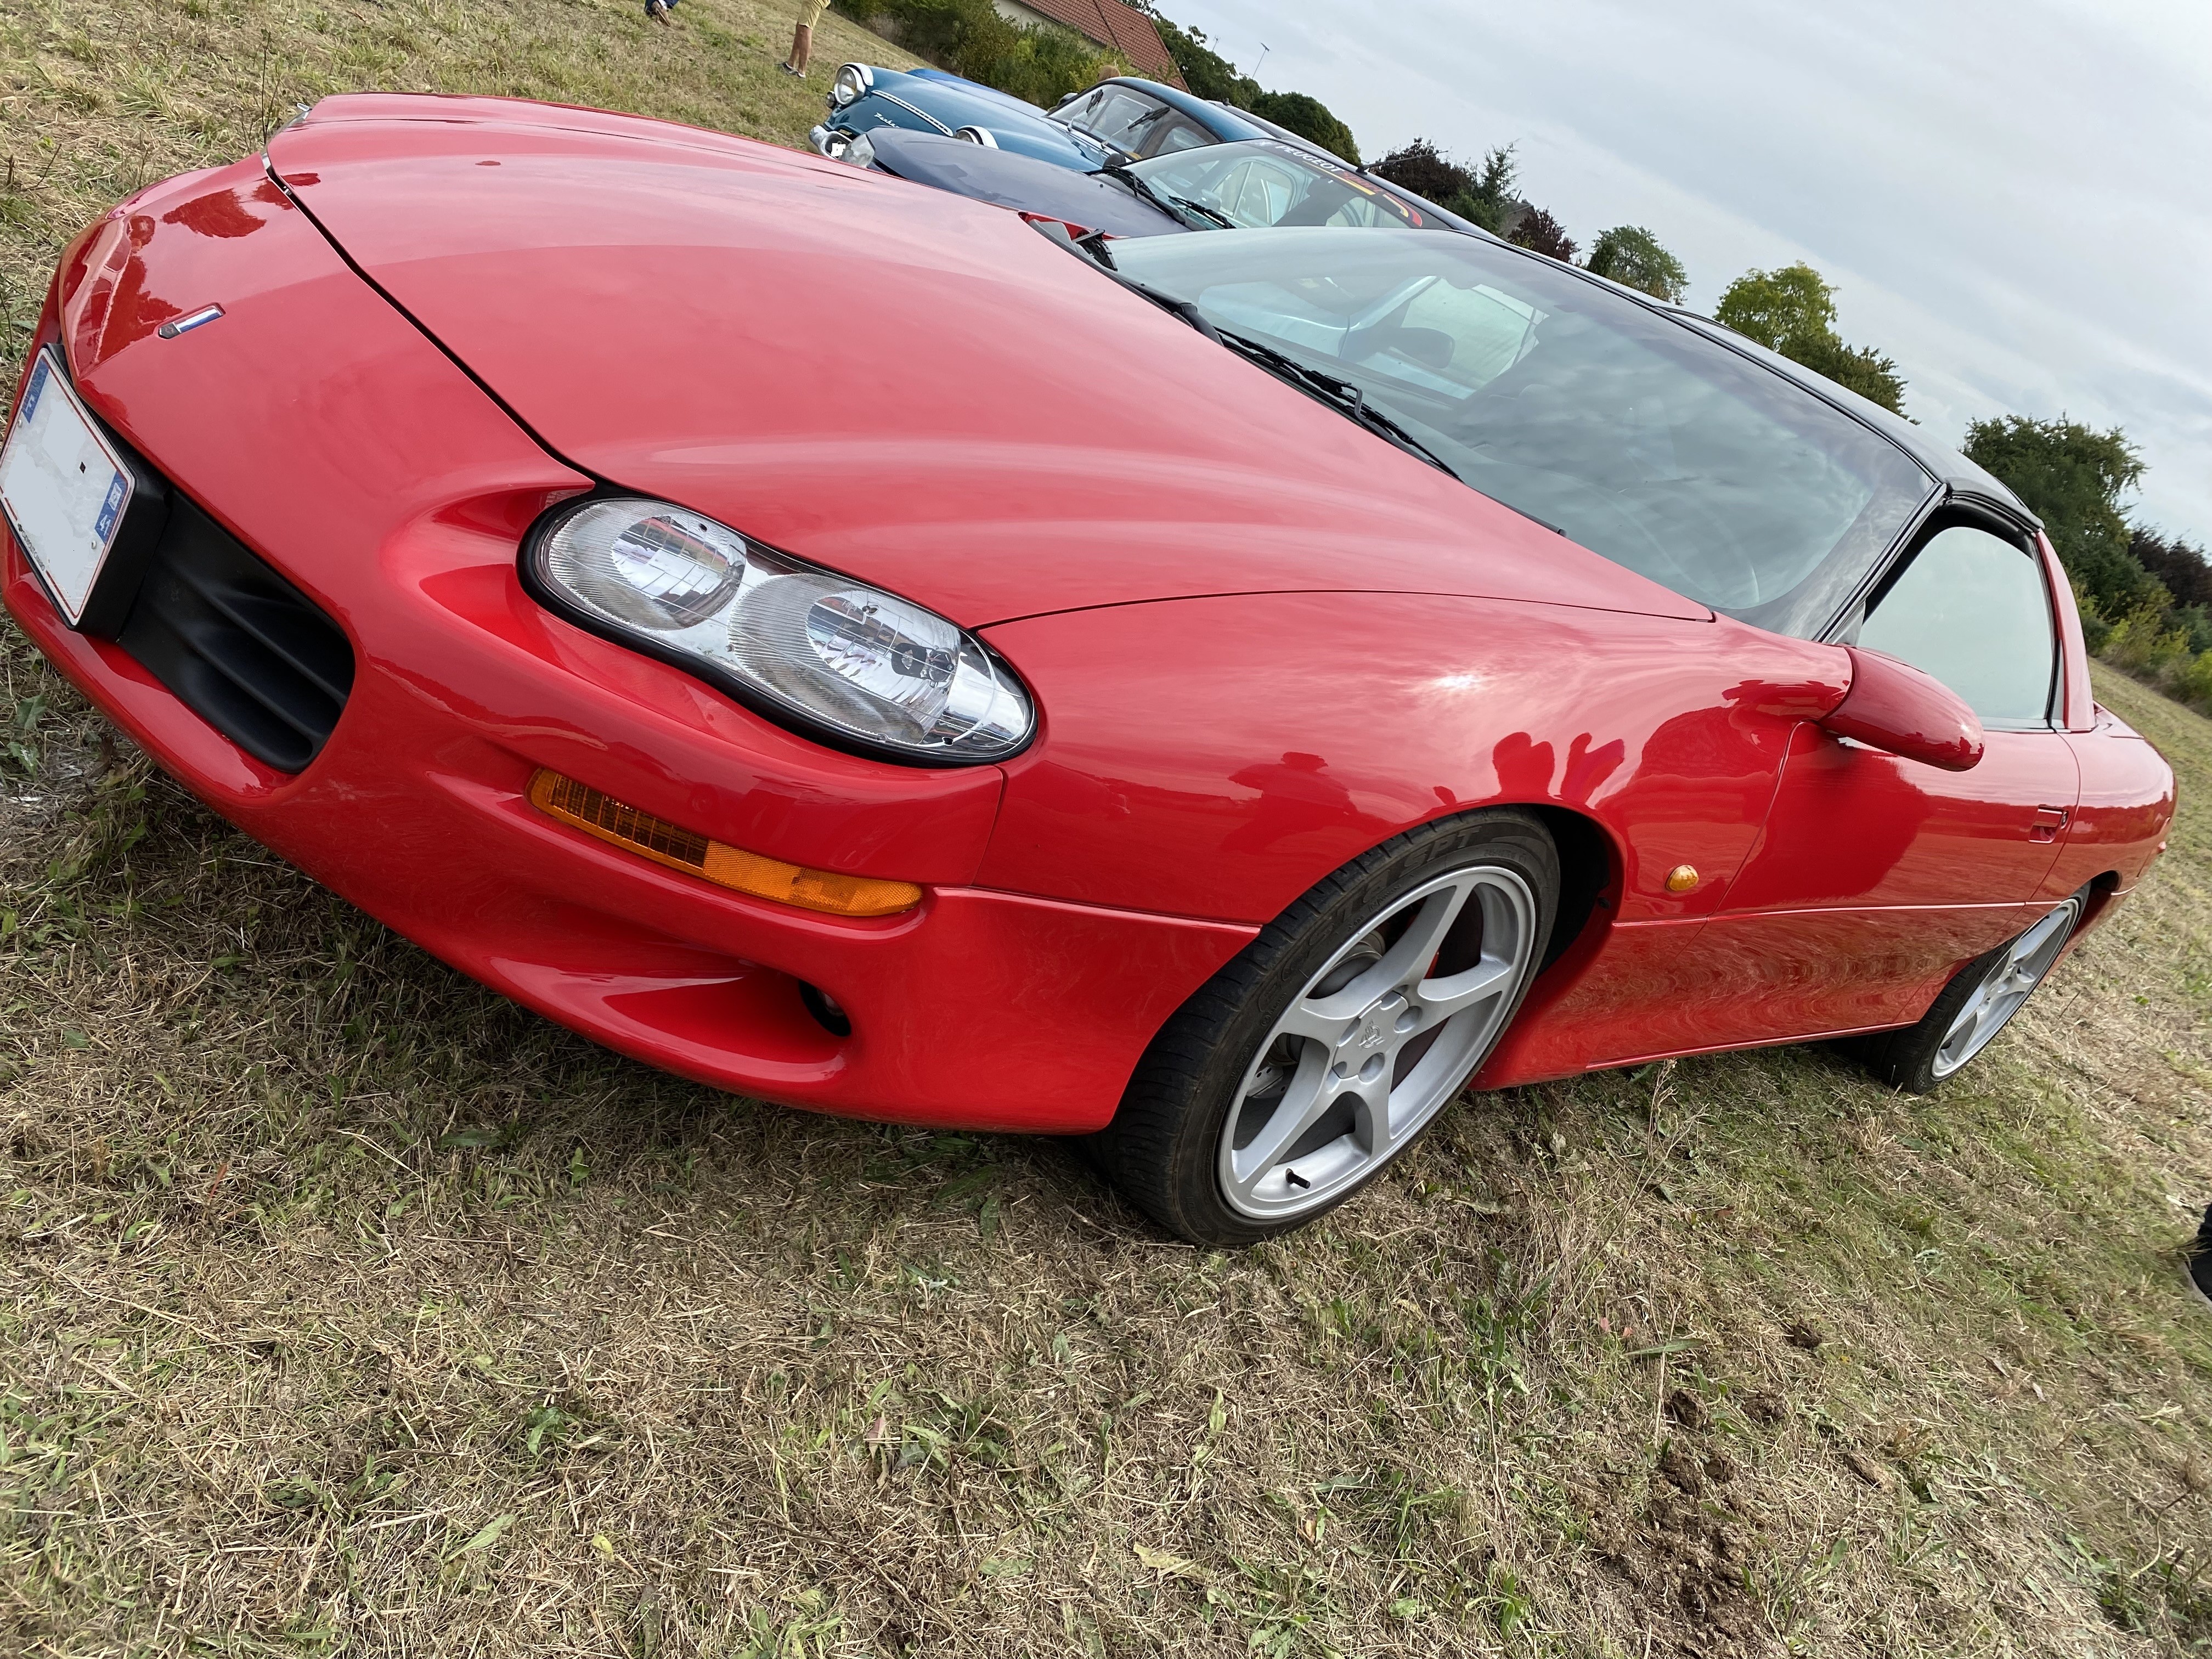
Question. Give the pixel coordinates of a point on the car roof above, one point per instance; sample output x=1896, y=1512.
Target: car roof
x=1222, y=121
x=1275, y=130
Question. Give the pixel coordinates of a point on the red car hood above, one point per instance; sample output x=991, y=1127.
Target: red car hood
x=898, y=383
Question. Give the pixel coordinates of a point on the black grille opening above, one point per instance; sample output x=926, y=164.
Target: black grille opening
x=245, y=650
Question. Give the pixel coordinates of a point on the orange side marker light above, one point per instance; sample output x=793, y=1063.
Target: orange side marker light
x=603, y=816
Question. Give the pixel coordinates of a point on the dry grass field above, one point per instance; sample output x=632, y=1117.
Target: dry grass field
x=346, y=1308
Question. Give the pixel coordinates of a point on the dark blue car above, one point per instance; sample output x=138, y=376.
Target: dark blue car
x=1124, y=119
x=1248, y=184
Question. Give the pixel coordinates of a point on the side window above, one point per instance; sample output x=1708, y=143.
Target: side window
x=1177, y=133
x=1360, y=210
x=1970, y=609
x=1260, y=194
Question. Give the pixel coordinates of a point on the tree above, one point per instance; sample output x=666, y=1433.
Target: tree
x=1042, y=62
x=2073, y=477
x=1777, y=307
x=1309, y=118
x=1793, y=311
x=1423, y=168
x=1204, y=70
x=1484, y=196
x=1488, y=198
x=1631, y=256
x=2184, y=570
x=1540, y=231
x=1856, y=368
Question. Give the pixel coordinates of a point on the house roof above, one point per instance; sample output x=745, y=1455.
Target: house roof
x=1111, y=23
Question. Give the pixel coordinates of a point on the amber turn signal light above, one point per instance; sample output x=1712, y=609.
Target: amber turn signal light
x=610, y=821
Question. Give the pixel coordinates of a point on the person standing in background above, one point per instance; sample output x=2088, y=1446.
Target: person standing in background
x=802, y=36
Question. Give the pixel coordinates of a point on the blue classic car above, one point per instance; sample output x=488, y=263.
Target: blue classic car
x=1124, y=119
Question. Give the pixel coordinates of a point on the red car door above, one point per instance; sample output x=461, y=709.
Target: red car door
x=1876, y=877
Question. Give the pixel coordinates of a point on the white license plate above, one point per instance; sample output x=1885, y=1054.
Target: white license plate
x=64, y=489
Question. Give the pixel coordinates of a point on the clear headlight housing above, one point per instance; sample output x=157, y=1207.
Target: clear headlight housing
x=859, y=667
x=849, y=82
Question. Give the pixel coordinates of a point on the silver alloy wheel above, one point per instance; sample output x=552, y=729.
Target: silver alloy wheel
x=2018, y=968
x=1373, y=1046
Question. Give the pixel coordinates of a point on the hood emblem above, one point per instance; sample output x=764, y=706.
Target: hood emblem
x=199, y=319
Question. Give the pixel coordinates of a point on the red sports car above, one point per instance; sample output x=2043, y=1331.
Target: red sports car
x=1214, y=694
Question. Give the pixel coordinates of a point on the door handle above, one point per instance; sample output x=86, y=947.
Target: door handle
x=2048, y=822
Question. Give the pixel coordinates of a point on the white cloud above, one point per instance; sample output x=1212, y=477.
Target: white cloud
x=2009, y=195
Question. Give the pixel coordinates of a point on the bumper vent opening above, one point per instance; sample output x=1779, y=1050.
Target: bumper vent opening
x=243, y=649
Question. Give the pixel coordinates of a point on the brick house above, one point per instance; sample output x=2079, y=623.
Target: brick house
x=1109, y=23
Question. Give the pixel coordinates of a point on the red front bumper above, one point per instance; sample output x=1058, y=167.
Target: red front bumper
x=332, y=438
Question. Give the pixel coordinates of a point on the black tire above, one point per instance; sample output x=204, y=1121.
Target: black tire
x=1161, y=1148
x=1911, y=1058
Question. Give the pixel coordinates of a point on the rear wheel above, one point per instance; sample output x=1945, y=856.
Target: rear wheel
x=1300, y=1070
x=1967, y=1016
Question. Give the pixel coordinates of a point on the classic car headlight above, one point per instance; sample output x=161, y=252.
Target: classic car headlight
x=852, y=664
x=851, y=81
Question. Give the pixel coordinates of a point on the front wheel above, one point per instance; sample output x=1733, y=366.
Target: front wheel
x=1305, y=1064
x=1971, y=1009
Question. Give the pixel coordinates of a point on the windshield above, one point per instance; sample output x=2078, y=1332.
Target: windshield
x=1257, y=182
x=1634, y=436
x=1119, y=115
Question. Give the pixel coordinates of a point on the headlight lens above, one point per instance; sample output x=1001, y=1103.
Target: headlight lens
x=849, y=82
x=856, y=665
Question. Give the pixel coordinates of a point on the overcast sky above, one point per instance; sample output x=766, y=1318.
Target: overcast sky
x=2014, y=199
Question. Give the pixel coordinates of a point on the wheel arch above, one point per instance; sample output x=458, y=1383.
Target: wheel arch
x=1590, y=874
x=1590, y=864
x=2099, y=894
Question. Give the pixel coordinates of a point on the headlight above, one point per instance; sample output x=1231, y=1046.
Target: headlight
x=859, y=668
x=850, y=81
x=977, y=135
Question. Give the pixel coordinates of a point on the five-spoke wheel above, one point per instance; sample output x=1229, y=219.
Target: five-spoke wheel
x=1318, y=1053
x=1377, y=1040
x=1973, y=1007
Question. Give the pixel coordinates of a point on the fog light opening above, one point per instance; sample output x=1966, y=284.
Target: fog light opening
x=824, y=1006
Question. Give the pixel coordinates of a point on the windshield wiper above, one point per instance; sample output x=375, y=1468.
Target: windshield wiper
x=1167, y=205
x=1342, y=396
x=1206, y=212
x=1094, y=247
